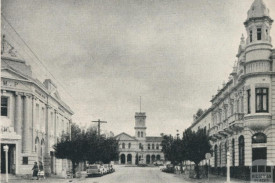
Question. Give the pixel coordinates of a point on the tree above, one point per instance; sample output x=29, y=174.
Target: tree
x=198, y=114
x=173, y=149
x=196, y=144
x=86, y=145
x=71, y=148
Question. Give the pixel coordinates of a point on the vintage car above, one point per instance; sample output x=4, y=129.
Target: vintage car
x=95, y=169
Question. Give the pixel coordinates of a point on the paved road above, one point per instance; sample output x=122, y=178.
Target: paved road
x=136, y=175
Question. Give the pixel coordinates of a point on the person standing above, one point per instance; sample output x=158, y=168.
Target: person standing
x=41, y=170
x=35, y=170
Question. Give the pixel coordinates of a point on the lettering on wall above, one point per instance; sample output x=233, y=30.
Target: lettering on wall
x=8, y=83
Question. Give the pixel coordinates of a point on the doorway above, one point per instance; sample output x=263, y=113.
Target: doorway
x=11, y=159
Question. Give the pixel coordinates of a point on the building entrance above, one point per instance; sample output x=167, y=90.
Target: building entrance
x=258, y=153
x=11, y=159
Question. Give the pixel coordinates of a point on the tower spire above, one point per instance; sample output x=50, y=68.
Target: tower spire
x=140, y=104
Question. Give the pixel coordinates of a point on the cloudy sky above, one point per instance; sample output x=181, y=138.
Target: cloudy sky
x=105, y=54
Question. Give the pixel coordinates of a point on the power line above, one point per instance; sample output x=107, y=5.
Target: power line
x=35, y=55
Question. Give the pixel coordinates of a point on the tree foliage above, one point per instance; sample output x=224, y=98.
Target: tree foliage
x=193, y=146
x=86, y=145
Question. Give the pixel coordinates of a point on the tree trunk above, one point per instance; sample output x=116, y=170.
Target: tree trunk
x=181, y=169
x=74, y=164
x=197, y=170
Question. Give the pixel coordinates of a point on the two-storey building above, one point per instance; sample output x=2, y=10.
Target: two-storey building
x=33, y=117
x=241, y=119
x=139, y=149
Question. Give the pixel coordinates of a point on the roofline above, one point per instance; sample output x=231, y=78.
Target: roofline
x=33, y=81
x=201, y=117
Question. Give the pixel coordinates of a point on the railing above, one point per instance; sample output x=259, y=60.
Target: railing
x=235, y=117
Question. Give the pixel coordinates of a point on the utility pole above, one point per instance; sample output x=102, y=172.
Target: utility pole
x=98, y=125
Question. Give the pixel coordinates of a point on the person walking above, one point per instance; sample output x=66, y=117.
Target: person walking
x=41, y=171
x=35, y=170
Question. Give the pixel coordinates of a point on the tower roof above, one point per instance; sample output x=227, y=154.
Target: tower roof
x=257, y=9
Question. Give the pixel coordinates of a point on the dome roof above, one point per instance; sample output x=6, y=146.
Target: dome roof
x=257, y=9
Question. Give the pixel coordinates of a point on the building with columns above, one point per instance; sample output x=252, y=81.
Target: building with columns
x=33, y=117
x=139, y=149
x=241, y=120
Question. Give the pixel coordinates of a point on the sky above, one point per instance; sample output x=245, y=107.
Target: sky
x=104, y=55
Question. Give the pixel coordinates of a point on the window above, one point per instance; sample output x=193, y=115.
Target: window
x=258, y=138
x=123, y=145
x=233, y=152
x=141, y=134
x=232, y=108
x=241, y=151
x=138, y=134
x=216, y=155
x=140, y=146
x=259, y=33
x=157, y=146
x=148, y=146
x=238, y=106
x=251, y=35
x=4, y=106
x=248, y=102
x=261, y=99
x=220, y=154
x=129, y=145
x=25, y=160
x=153, y=146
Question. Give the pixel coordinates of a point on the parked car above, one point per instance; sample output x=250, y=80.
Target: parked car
x=111, y=168
x=95, y=169
x=169, y=169
x=158, y=163
x=106, y=168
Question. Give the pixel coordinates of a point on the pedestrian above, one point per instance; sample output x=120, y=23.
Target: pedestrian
x=41, y=171
x=35, y=170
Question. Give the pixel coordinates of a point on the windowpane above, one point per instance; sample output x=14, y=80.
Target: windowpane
x=250, y=35
x=259, y=34
x=264, y=102
x=4, y=106
x=258, y=103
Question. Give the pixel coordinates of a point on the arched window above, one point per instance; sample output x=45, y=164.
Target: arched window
x=220, y=154
x=138, y=134
x=148, y=146
x=157, y=147
x=36, y=144
x=141, y=134
x=216, y=155
x=42, y=147
x=140, y=146
x=123, y=145
x=153, y=146
x=225, y=152
x=258, y=138
x=241, y=150
x=129, y=145
x=233, y=152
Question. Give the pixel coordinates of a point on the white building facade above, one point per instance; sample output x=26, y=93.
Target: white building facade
x=139, y=149
x=33, y=117
x=241, y=119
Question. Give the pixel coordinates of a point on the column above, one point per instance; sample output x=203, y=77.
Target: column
x=18, y=114
x=26, y=137
x=55, y=126
x=47, y=139
x=33, y=122
x=247, y=147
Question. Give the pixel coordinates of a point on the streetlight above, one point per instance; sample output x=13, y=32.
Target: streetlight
x=6, y=149
x=228, y=167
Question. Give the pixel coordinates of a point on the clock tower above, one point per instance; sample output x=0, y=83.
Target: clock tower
x=140, y=127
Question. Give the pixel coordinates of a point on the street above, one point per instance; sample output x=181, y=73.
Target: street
x=125, y=174
x=136, y=175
